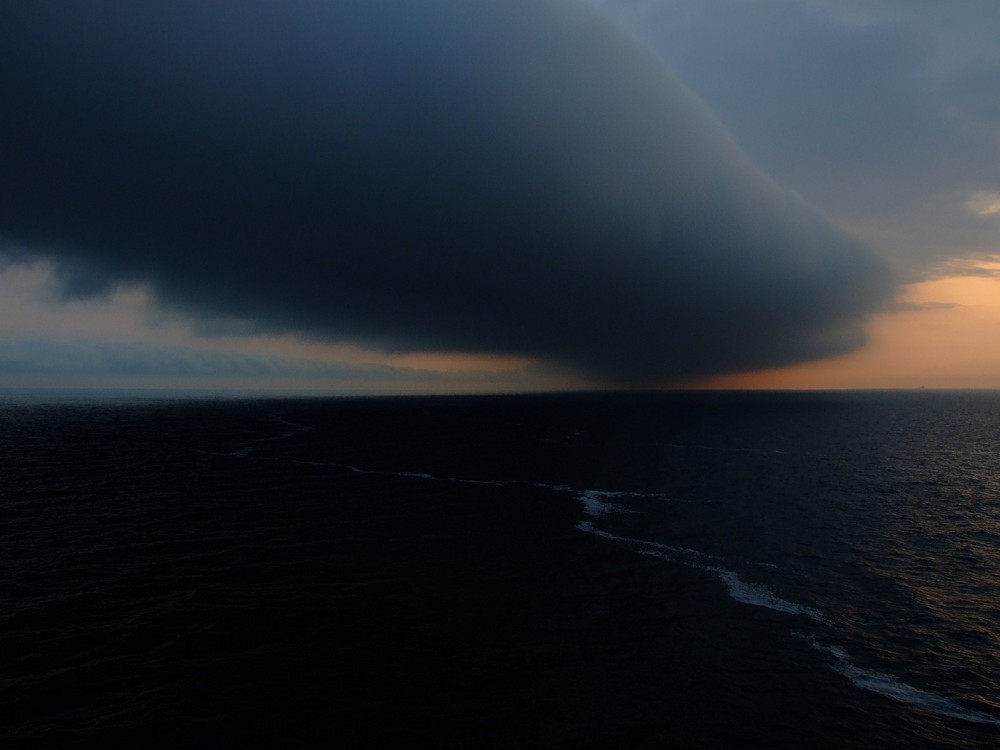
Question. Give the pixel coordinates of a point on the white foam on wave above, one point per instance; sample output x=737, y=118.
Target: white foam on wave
x=753, y=594
x=429, y=477
x=892, y=687
x=297, y=429
x=588, y=527
x=758, y=595
x=595, y=502
x=646, y=547
x=456, y=480
x=246, y=450
x=414, y=474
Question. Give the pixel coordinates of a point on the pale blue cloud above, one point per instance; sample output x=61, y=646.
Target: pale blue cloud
x=45, y=358
x=883, y=112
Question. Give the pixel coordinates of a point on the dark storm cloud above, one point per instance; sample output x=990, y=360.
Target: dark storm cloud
x=508, y=176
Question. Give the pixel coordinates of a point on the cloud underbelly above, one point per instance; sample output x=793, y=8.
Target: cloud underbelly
x=515, y=177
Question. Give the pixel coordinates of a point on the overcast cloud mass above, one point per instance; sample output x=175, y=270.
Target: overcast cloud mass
x=506, y=176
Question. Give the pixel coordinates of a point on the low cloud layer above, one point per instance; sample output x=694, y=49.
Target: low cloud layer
x=508, y=176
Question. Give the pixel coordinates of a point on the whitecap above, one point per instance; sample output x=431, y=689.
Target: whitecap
x=415, y=475
x=746, y=593
x=646, y=547
x=588, y=527
x=758, y=595
x=894, y=688
x=594, y=503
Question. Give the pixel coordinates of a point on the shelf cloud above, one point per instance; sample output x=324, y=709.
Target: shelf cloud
x=507, y=176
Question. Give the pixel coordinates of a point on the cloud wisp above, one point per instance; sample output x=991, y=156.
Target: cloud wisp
x=509, y=177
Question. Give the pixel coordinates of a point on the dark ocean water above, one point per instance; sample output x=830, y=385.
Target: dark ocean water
x=607, y=570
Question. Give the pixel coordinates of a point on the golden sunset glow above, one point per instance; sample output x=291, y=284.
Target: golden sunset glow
x=945, y=333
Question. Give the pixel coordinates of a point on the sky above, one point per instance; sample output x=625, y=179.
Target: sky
x=507, y=195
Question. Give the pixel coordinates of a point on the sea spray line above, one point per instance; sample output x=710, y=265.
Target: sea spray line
x=738, y=589
x=894, y=688
x=657, y=549
x=757, y=595
x=594, y=505
x=592, y=500
x=298, y=430
x=760, y=596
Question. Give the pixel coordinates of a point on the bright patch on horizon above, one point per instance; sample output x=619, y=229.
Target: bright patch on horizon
x=49, y=341
x=942, y=335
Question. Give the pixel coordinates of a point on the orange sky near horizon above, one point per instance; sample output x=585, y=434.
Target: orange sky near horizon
x=944, y=334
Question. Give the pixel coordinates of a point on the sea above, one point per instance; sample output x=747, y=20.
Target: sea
x=580, y=570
